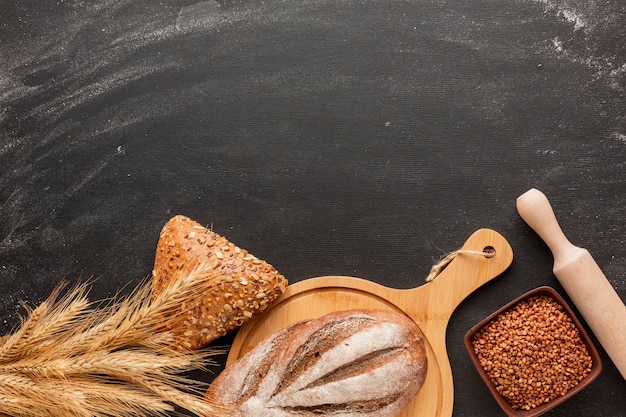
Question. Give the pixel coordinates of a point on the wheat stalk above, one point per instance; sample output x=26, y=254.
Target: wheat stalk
x=72, y=357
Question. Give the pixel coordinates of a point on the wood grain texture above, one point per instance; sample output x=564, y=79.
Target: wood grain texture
x=430, y=306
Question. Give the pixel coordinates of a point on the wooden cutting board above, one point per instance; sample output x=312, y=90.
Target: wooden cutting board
x=430, y=306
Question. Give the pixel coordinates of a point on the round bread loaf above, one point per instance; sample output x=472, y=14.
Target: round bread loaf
x=246, y=285
x=354, y=363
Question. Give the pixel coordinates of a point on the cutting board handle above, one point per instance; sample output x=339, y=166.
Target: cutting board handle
x=468, y=271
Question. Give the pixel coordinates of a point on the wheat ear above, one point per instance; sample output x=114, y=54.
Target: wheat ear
x=72, y=357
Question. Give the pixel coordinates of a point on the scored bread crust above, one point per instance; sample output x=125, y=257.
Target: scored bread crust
x=355, y=363
x=245, y=288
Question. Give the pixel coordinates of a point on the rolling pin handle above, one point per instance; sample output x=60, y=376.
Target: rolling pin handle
x=534, y=207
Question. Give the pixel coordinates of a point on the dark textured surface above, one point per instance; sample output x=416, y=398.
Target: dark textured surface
x=362, y=138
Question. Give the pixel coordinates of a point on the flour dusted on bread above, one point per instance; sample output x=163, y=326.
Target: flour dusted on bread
x=353, y=363
x=246, y=287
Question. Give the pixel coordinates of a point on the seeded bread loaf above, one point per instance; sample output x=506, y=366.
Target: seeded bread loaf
x=247, y=287
x=354, y=363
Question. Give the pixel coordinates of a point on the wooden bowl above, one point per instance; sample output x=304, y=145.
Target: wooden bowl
x=596, y=367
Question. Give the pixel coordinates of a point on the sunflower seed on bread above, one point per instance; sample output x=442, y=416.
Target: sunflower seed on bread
x=247, y=286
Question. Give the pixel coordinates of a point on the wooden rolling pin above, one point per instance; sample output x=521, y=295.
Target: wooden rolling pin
x=581, y=277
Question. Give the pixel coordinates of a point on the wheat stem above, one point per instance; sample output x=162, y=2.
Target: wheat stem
x=70, y=358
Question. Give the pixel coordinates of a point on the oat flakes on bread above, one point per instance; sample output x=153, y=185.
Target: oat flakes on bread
x=246, y=288
x=355, y=363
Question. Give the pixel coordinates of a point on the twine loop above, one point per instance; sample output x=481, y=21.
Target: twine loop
x=444, y=261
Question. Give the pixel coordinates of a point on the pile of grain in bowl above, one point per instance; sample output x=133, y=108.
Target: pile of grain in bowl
x=533, y=352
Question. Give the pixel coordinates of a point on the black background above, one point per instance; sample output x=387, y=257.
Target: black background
x=364, y=138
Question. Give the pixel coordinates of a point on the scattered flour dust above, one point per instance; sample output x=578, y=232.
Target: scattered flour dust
x=567, y=12
x=620, y=137
x=196, y=12
x=558, y=45
x=608, y=69
x=592, y=19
